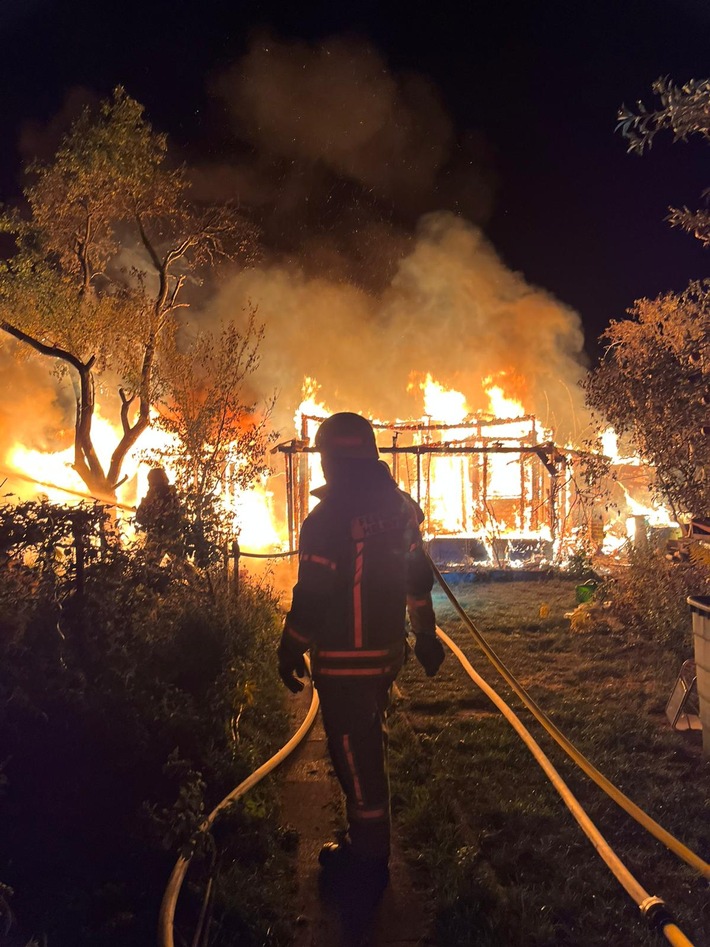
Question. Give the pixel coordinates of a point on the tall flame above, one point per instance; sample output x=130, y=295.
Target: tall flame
x=443, y=404
x=308, y=409
x=501, y=405
x=309, y=406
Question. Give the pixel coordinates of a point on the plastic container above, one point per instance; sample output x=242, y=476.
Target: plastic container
x=585, y=592
x=700, y=610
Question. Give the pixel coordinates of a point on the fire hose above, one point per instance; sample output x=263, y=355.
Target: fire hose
x=652, y=908
x=651, y=826
x=268, y=555
x=168, y=905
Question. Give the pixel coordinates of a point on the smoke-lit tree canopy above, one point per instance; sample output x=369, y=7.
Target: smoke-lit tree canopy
x=650, y=386
x=219, y=443
x=104, y=248
x=653, y=383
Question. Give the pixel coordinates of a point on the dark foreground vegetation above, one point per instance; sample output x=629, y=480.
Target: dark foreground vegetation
x=488, y=835
x=133, y=696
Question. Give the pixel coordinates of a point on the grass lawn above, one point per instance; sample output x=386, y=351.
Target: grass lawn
x=504, y=859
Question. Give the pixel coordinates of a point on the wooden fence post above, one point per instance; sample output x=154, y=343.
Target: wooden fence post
x=236, y=553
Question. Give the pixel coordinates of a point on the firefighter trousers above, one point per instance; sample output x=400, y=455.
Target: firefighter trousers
x=355, y=721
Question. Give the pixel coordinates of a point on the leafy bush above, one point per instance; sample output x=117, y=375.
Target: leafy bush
x=133, y=697
x=580, y=564
x=649, y=597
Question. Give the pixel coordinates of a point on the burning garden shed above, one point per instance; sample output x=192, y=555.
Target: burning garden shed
x=494, y=490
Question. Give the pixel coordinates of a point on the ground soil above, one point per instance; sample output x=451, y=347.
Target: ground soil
x=312, y=805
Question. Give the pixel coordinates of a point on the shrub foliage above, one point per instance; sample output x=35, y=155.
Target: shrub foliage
x=133, y=697
x=649, y=597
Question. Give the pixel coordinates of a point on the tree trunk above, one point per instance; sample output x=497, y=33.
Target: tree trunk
x=86, y=463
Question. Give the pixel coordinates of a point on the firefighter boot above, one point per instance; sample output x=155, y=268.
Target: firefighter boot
x=344, y=867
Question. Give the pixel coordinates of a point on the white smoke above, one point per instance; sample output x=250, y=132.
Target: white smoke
x=452, y=309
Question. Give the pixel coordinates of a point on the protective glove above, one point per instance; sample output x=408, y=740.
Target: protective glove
x=290, y=663
x=429, y=652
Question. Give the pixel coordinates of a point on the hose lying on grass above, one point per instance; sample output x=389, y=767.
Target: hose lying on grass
x=651, y=826
x=652, y=908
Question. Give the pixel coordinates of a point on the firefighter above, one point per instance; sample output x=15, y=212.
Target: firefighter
x=160, y=515
x=361, y=568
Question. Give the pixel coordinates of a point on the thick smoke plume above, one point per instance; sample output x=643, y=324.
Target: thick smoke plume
x=337, y=157
x=338, y=106
x=372, y=300
x=452, y=309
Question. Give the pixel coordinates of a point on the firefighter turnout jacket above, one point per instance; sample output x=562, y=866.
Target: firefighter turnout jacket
x=361, y=567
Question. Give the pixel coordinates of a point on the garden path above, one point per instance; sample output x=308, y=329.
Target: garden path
x=311, y=803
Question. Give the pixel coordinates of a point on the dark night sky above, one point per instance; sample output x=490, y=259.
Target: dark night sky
x=541, y=80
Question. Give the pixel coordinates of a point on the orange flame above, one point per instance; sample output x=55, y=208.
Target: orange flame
x=442, y=404
x=503, y=405
x=449, y=482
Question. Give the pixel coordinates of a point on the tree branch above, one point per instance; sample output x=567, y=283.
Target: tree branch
x=170, y=305
x=52, y=351
x=83, y=254
x=148, y=245
x=126, y=403
x=180, y=251
x=132, y=433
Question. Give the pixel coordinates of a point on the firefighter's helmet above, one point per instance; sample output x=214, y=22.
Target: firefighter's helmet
x=347, y=435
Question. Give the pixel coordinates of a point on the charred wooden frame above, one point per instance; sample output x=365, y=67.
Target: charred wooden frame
x=545, y=506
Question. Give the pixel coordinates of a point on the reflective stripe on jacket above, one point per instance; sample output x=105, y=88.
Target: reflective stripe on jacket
x=361, y=565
